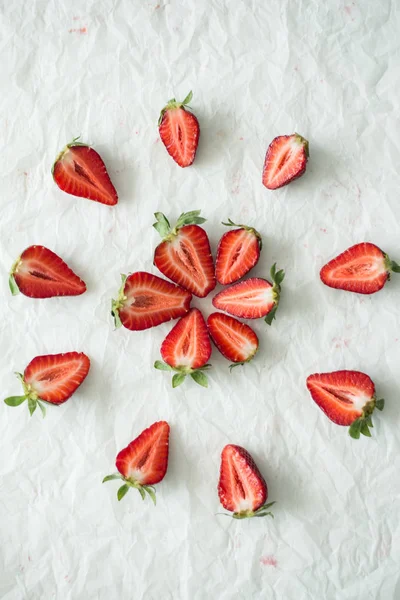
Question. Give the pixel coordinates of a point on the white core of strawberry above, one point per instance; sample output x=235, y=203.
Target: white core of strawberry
x=136, y=475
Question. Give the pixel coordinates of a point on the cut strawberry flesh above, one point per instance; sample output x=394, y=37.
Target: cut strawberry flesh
x=241, y=486
x=56, y=377
x=250, y=299
x=235, y=340
x=40, y=273
x=286, y=160
x=150, y=301
x=186, y=259
x=188, y=345
x=342, y=395
x=238, y=252
x=361, y=269
x=145, y=460
x=80, y=171
x=180, y=132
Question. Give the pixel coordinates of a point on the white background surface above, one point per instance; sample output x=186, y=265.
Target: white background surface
x=257, y=69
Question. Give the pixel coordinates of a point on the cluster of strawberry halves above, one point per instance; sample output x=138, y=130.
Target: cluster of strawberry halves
x=184, y=256
x=242, y=489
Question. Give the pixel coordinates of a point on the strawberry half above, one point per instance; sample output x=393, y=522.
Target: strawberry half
x=40, y=273
x=179, y=131
x=144, y=462
x=145, y=300
x=253, y=298
x=363, y=269
x=184, y=255
x=186, y=349
x=80, y=171
x=286, y=160
x=241, y=488
x=235, y=340
x=52, y=378
x=347, y=398
x=238, y=252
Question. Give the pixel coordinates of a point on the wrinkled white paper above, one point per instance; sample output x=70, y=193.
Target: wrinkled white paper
x=103, y=70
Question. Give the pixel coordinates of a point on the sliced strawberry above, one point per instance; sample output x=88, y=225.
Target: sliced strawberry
x=363, y=269
x=79, y=170
x=51, y=378
x=186, y=349
x=241, y=488
x=253, y=298
x=286, y=160
x=40, y=273
x=238, y=252
x=235, y=340
x=144, y=462
x=347, y=398
x=179, y=131
x=184, y=255
x=145, y=300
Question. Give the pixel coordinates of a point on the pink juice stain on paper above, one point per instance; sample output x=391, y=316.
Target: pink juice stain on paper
x=80, y=30
x=269, y=561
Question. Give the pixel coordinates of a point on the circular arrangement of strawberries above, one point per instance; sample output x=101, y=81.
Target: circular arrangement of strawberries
x=184, y=257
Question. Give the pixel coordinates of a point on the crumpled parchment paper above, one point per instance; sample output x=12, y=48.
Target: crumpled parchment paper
x=103, y=70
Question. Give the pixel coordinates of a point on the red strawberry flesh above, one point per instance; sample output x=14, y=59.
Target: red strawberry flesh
x=241, y=488
x=286, y=160
x=187, y=346
x=55, y=377
x=250, y=299
x=40, y=273
x=147, y=301
x=344, y=396
x=179, y=131
x=145, y=460
x=187, y=260
x=238, y=252
x=363, y=269
x=80, y=171
x=235, y=340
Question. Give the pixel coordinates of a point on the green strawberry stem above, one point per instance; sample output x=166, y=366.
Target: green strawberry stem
x=119, y=303
x=391, y=265
x=260, y=512
x=182, y=372
x=230, y=223
x=277, y=277
x=30, y=396
x=363, y=423
x=132, y=483
x=163, y=226
x=173, y=104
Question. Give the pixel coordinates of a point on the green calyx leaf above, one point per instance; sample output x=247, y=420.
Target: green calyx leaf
x=116, y=305
x=380, y=404
x=277, y=277
x=230, y=223
x=32, y=405
x=164, y=228
x=260, y=512
x=15, y=400
x=391, y=265
x=151, y=492
x=172, y=104
x=122, y=491
x=238, y=364
x=199, y=378
x=14, y=289
x=42, y=408
x=112, y=477
x=178, y=379
x=162, y=225
x=355, y=429
x=162, y=366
